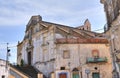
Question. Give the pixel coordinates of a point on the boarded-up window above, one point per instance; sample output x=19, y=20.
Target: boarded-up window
x=66, y=54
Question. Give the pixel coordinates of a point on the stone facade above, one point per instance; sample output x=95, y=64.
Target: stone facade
x=60, y=51
x=112, y=30
x=86, y=26
x=4, y=71
x=79, y=56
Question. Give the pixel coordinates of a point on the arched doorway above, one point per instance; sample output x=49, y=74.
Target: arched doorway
x=75, y=73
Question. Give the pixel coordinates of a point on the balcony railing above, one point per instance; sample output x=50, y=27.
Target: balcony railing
x=96, y=60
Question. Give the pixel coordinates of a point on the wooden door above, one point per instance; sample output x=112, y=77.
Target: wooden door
x=63, y=75
x=75, y=75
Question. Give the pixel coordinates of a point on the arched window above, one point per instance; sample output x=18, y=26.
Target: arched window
x=95, y=53
x=75, y=70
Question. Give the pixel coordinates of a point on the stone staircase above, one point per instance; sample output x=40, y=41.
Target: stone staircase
x=27, y=70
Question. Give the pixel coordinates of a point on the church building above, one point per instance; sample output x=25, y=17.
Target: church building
x=60, y=51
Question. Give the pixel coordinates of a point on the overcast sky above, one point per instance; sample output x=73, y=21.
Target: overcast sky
x=15, y=14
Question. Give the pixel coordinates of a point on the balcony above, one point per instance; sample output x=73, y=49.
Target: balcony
x=96, y=60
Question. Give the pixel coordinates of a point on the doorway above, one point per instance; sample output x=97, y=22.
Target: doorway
x=75, y=75
x=95, y=75
x=63, y=75
x=29, y=58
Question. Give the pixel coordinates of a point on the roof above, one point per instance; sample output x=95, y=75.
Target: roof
x=75, y=32
x=78, y=40
x=85, y=33
x=2, y=60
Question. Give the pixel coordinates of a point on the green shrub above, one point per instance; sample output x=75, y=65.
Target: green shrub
x=22, y=62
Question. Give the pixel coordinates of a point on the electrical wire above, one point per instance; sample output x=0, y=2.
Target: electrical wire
x=99, y=29
x=5, y=44
x=12, y=46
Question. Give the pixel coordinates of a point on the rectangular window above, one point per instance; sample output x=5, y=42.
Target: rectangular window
x=66, y=54
x=62, y=68
x=45, y=55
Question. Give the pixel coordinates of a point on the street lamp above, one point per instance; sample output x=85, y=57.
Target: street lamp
x=7, y=55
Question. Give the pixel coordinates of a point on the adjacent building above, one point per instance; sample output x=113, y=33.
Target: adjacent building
x=60, y=51
x=4, y=70
x=112, y=32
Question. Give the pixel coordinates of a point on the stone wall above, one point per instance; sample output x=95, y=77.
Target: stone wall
x=78, y=56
